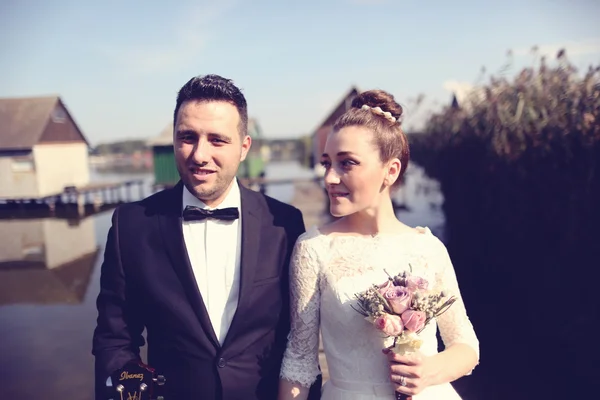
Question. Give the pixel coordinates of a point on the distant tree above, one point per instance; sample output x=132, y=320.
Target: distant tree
x=121, y=147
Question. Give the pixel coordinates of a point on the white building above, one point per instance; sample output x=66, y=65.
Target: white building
x=42, y=150
x=46, y=260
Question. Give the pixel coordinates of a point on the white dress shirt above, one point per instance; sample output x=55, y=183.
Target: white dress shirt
x=214, y=248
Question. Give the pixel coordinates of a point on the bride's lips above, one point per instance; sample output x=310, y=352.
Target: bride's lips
x=337, y=195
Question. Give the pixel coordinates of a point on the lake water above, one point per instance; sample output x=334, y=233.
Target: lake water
x=49, y=280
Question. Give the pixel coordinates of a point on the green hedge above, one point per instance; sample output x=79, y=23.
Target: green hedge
x=518, y=168
x=527, y=150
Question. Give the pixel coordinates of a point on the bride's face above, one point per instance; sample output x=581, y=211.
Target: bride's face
x=354, y=173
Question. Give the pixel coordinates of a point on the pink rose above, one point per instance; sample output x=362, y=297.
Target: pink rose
x=390, y=324
x=413, y=321
x=399, y=298
x=415, y=283
x=384, y=287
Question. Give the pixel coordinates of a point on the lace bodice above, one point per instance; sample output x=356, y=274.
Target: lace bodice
x=326, y=272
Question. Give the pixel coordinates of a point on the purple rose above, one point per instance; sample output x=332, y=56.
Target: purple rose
x=384, y=287
x=413, y=321
x=399, y=298
x=416, y=283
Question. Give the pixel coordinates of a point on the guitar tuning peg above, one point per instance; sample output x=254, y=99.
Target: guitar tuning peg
x=143, y=387
x=160, y=380
x=120, y=388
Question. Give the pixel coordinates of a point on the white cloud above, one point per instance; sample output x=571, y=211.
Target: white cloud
x=190, y=34
x=573, y=48
x=151, y=59
x=466, y=93
x=460, y=89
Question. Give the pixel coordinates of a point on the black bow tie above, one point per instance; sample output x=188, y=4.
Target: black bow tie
x=192, y=213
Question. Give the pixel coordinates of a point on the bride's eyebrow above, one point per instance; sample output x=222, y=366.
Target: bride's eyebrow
x=345, y=153
x=340, y=154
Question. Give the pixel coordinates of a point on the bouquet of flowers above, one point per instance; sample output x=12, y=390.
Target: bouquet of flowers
x=401, y=308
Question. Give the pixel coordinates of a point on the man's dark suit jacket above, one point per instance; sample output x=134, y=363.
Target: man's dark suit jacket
x=147, y=282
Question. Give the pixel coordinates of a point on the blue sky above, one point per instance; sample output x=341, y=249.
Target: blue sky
x=119, y=64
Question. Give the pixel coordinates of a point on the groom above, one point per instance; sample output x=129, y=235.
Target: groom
x=203, y=267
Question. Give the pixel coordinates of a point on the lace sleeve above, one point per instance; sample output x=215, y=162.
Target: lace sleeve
x=301, y=358
x=454, y=324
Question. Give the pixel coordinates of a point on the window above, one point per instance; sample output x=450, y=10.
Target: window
x=58, y=115
x=33, y=252
x=22, y=165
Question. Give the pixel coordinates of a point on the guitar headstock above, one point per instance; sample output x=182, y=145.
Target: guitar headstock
x=135, y=381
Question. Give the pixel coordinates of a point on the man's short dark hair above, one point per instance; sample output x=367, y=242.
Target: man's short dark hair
x=214, y=88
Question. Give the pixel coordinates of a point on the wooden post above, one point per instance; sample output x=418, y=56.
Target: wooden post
x=97, y=200
x=80, y=204
x=52, y=205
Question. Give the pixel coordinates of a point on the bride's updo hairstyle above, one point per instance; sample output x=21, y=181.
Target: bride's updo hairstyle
x=378, y=111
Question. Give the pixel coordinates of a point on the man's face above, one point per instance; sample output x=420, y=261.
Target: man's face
x=208, y=148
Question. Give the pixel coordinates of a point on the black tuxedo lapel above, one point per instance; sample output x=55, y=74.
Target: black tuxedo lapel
x=251, y=233
x=170, y=223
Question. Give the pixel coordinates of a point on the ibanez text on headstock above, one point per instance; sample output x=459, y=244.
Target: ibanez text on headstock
x=135, y=381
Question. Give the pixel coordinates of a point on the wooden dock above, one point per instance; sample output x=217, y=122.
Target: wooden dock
x=310, y=198
x=72, y=201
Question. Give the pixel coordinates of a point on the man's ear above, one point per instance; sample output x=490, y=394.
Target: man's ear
x=246, y=144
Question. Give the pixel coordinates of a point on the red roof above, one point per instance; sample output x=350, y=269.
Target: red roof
x=23, y=121
x=320, y=134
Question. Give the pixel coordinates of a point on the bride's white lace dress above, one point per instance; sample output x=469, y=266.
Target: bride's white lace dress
x=326, y=272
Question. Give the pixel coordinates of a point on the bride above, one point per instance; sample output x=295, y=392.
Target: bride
x=365, y=157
